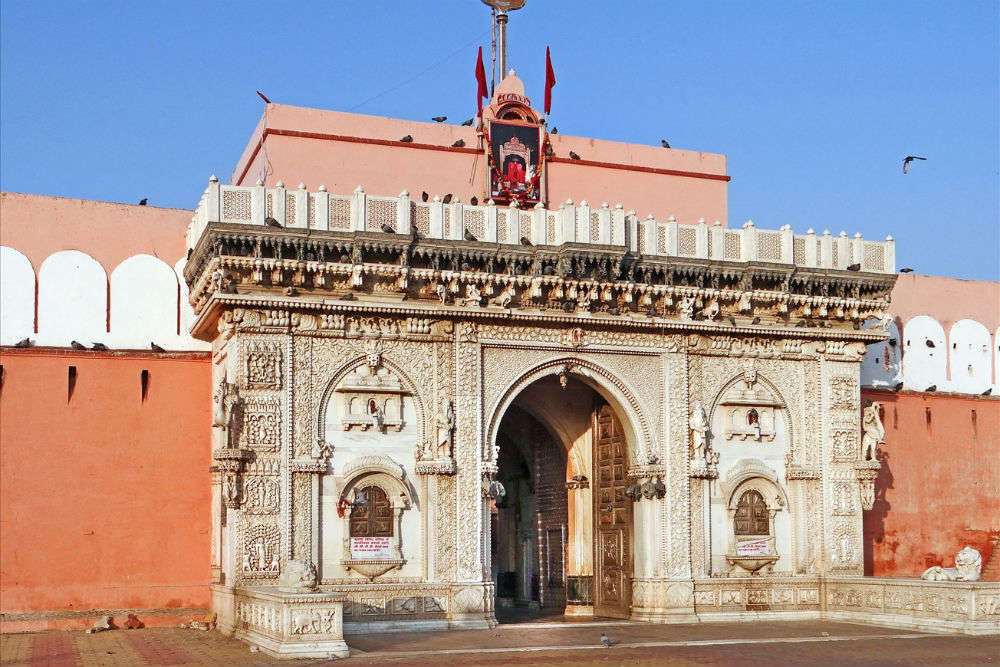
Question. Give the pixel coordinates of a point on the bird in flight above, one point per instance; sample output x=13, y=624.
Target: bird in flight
x=908, y=159
x=664, y=143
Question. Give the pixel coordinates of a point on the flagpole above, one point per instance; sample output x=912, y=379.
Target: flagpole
x=493, y=66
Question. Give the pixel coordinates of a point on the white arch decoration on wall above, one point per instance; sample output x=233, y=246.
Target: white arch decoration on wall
x=143, y=303
x=969, y=357
x=924, y=354
x=72, y=299
x=17, y=296
x=882, y=364
x=187, y=316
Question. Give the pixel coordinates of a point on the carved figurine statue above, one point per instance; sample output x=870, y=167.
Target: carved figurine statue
x=298, y=576
x=872, y=431
x=743, y=304
x=376, y=415
x=445, y=430
x=968, y=566
x=472, y=296
x=356, y=278
x=699, y=429
x=686, y=308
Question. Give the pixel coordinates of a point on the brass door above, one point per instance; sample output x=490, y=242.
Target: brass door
x=612, y=518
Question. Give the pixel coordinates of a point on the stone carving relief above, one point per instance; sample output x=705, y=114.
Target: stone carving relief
x=260, y=551
x=262, y=365
x=750, y=409
x=315, y=621
x=844, y=393
x=439, y=455
x=845, y=443
x=372, y=398
x=262, y=424
x=968, y=567
x=260, y=495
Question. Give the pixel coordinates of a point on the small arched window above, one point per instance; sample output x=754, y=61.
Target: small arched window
x=752, y=516
x=371, y=515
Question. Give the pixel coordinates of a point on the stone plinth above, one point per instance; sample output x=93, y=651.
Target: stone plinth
x=283, y=625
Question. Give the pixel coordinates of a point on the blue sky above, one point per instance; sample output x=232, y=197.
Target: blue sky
x=815, y=103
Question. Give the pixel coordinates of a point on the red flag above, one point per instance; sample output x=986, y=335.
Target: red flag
x=550, y=80
x=482, y=90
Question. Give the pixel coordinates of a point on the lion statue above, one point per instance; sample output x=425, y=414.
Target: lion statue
x=968, y=565
x=299, y=576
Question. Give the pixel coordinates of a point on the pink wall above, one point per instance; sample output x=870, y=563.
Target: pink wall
x=937, y=490
x=342, y=150
x=947, y=300
x=38, y=225
x=105, y=496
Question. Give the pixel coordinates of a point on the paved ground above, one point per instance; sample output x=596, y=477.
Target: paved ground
x=553, y=645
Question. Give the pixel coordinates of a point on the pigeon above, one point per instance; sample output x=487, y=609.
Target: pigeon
x=474, y=201
x=263, y=97
x=898, y=387
x=857, y=325
x=933, y=387
x=756, y=320
x=424, y=196
x=388, y=229
x=458, y=144
x=555, y=130
x=908, y=159
x=801, y=323
x=468, y=123
x=469, y=236
x=929, y=343
x=664, y=143
x=77, y=346
x=99, y=346
x=987, y=392
x=604, y=640
x=892, y=342
x=906, y=270
x=155, y=348
x=854, y=267
x=732, y=320
x=190, y=252
x=291, y=291
x=525, y=241
x=271, y=222
x=573, y=156
x=407, y=139
x=27, y=342
x=439, y=119
x=548, y=151
x=446, y=199
x=143, y=201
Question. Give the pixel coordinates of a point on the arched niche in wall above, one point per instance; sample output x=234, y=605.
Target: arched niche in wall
x=72, y=299
x=924, y=354
x=17, y=296
x=969, y=357
x=757, y=523
x=143, y=303
x=187, y=316
x=882, y=364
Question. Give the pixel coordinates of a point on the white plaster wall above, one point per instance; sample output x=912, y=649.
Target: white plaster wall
x=924, y=365
x=882, y=364
x=72, y=299
x=187, y=316
x=349, y=446
x=17, y=297
x=143, y=304
x=970, y=357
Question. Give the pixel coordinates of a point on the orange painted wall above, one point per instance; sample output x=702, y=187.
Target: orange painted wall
x=939, y=487
x=352, y=159
x=105, y=497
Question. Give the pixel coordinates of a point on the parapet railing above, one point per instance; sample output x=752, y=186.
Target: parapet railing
x=570, y=223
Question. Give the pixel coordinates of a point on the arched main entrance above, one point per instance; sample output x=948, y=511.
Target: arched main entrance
x=561, y=536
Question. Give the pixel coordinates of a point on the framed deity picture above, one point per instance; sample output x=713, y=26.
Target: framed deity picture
x=515, y=164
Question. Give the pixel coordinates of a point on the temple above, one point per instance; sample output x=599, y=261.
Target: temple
x=477, y=370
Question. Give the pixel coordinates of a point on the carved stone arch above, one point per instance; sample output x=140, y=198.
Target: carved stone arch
x=407, y=383
x=605, y=383
x=753, y=474
x=379, y=470
x=784, y=411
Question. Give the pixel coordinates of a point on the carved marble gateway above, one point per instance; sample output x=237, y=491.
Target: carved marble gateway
x=707, y=402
